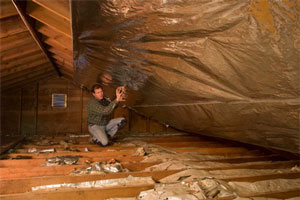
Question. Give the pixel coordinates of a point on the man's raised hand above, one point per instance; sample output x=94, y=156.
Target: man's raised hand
x=121, y=93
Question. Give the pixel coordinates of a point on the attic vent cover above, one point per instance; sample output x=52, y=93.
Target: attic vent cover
x=59, y=100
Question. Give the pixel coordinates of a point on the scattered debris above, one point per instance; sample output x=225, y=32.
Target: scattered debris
x=139, y=152
x=202, y=189
x=45, y=143
x=62, y=160
x=247, y=188
x=78, y=136
x=34, y=150
x=111, y=166
x=296, y=169
x=198, y=174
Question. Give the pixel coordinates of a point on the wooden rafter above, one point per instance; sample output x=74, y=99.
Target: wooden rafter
x=59, y=7
x=10, y=26
x=32, y=31
x=15, y=40
x=49, y=18
x=7, y=9
x=55, y=43
x=19, y=68
x=22, y=60
x=20, y=51
x=60, y=53
x=52, y=33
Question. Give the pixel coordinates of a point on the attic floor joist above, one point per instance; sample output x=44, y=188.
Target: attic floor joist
x=18, y=176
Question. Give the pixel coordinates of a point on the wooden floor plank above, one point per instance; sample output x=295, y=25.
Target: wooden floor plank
x=6, y=173
x=84, y=154
x=80, y=194
x=25, y=184
x=277, y=194
x=40, y=161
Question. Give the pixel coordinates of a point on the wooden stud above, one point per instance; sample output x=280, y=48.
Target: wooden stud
x=21, y=112
x=36, y=108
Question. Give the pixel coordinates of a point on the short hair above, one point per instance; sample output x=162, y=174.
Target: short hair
x=96, y=86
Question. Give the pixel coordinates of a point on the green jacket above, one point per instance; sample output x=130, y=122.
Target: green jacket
x=99, y=111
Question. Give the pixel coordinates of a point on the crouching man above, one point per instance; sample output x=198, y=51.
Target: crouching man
x=99, y=109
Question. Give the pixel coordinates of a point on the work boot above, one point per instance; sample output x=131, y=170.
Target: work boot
x=122, y=124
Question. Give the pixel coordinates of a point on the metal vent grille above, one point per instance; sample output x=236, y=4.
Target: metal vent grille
x=59, y=100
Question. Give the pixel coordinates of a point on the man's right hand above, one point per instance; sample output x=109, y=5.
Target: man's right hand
x=121, y=94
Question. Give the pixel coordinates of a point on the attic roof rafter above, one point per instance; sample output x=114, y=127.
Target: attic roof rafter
x=32, y=31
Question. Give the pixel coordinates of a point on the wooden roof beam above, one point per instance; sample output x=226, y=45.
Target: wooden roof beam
x=59, y=7
x=61, y=46
x=10, y=26
x=49, y=18
x=22, y=60
x=32, y=31
x=19, y=52
x=64, y=65
x=7, y=9
x=63, y=60
x=12, y=70
x=60, y=53
x=52, y=33
x=16, y=40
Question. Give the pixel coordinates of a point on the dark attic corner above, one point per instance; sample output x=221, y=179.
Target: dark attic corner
x=146, y=100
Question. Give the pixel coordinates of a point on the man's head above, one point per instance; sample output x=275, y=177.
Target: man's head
x=97, y=91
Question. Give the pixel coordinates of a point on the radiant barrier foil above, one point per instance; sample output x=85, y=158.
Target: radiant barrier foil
x=228, y=69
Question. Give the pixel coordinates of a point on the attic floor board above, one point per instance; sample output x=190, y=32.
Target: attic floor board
x=7, y=173
x=17, y=177
x=40, y=161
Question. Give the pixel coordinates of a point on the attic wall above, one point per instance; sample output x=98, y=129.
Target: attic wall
x=28, y=111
